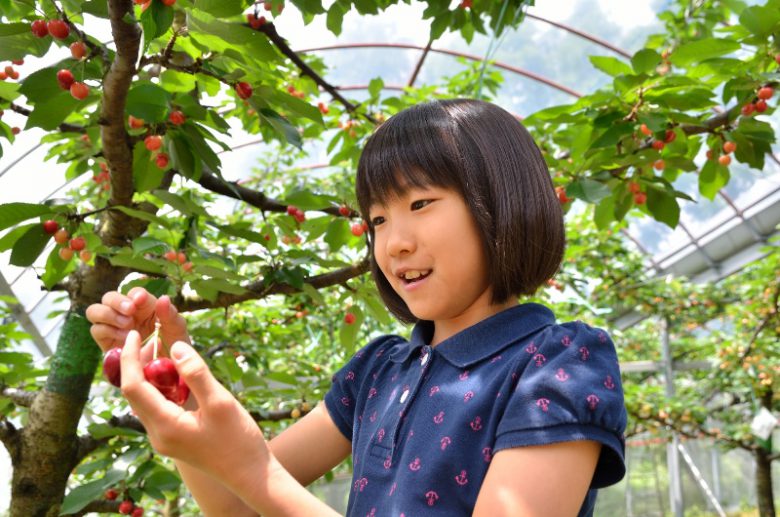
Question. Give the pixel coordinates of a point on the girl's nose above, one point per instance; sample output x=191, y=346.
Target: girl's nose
x=401, y=240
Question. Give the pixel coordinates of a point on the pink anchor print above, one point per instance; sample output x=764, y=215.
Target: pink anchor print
x=539, y=359
x=609, y=383
x=496, y=358
x=360, y=418
x=461, y=478
x=602, y=337
x=388, y=463
x=392, y=393
x=350, y=376
x=372, y=513
x=445, y=441
x=566, y=341
x=439, y=417
x=380, y=435
x=514, y=376
x=381, y=351
x=360, y=353
x=584, y=353
x=531, y=348
x=498, y=395
x=411, y=433
x=360, y=484
x=431, y=497
x=345, y=401
x=468, y=396
x=372, y=417
x=392, y=489
x=463, y=376
x=372, y=393
x=394, y=377
x=415, y=465
x=561, y=375
x=476, y=424
x=593, y=401
x=434, y=390
x=487, y=454
x=543, y=403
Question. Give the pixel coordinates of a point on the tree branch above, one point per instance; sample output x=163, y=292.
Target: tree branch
x=99, y=506
x=10, y=436
x=19, y=397
x=269, y=29
x=259, y=290
x=67, y=128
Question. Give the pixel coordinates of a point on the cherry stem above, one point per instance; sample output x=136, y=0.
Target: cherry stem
x=154, y=336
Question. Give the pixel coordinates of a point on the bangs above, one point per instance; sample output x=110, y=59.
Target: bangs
x=414, y=148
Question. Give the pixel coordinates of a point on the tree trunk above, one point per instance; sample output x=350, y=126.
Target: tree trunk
x=47, y=450
x=766, y=504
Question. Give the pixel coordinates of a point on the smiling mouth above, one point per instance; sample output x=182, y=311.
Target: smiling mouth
x=411, y=277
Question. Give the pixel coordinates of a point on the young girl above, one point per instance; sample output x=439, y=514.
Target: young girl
x=489, y=408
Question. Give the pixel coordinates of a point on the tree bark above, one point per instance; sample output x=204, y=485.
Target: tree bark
x=766, y=504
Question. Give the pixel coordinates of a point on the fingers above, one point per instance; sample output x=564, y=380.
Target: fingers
x=174, y=326
x=193, y=369
x=145, y=399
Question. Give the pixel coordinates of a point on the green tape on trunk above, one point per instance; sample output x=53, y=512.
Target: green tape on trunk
x=76, y=359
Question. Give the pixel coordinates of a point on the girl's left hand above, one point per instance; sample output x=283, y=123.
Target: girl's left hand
x=219, y=437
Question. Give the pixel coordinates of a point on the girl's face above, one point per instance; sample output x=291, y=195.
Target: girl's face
x=427, y=244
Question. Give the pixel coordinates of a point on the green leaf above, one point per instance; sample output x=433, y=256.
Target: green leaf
x=9, y=91
x=156, y=20
x=146, y=174
x=50, y=113
x=82, y=495
x=95, y=8
x=145, y=216
x=41, y=85
x=604, y=212
x=375, y=87
x=10, y=238
x=663, y=206
x=177, y=202
x=645, y=61
x=282, y=126
x=336, y=16
x=348, y=332
x=761, y=20
x=218, y=284
x=163, y=480
x=220, y=8
x=252, y=44
x=588, y=190
x=241, y=233
x=338, y=234
x=149, y=245
x=610, y=65
x=712, y=178
x=307, y=200
x=148, y=101
x=14, y=213
x=702, y=49
x=56, y=268
x=183, y=157
x=137, y=263
x=17, y=42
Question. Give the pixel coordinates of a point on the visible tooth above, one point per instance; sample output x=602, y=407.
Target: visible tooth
x=411, y=275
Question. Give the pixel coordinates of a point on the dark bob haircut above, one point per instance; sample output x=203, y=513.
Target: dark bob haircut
x=484, y=153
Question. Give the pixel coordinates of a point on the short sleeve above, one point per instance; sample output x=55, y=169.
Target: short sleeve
x=569, y=389
x=343, y=397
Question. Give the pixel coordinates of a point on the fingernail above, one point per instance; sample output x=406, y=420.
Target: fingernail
x=123, y=321
x=180, y=351
x=126, y=306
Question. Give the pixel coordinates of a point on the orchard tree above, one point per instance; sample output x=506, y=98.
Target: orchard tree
x=281, y=275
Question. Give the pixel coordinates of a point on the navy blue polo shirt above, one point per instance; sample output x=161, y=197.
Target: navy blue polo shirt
x=425, y=422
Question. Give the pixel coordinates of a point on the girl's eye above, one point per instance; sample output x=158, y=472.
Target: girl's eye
x=420, y=203
x=377, y=221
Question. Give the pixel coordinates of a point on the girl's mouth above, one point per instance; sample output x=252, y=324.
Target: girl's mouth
x=415, y=275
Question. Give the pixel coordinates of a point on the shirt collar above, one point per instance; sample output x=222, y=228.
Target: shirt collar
x=481, y=340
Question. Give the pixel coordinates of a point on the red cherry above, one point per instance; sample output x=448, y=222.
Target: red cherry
x=729, y=147
x=17, y=61
x=299, y=216
x=466, y=4
x=349, y=318
x=634, y=187
x=111, y=494
x=65, y=79
x=85, y=255
x=135, y=123
x=645, y=130
x=78, y=243
x=243, y=90
x=181, y=257
x=38, y=28
x=724, y=160
x=79, y=91
x=168, y=2
x=153, y=142
x=658, y=145
x=61, y=236
x=254, y=21
x=3, y=75
x=765, y=93
x=747, y=109
x=50, y=226
x=761, y=106
x=161, y=373
x=138, y=511
x=15, y=130
x=170, y=256
x=58, y=29
x=344, y=211
x=112, y=370
x=292, y=209
x=561, y=193
x=659, y=165
x=640, y=198
x=187, y=266
x=356, y=229
x=177, y=118
x=126, y=506
x=161, y=161
x=669, y=136
x=65, y=254
x=777, y=59
x=323, y=108
x=78, y=50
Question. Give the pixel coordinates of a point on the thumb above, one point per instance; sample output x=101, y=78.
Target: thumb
x=193, y=369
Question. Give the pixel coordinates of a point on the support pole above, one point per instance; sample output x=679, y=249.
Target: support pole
x=672, y=455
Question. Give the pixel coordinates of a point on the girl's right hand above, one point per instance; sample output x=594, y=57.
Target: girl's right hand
x=118, y=314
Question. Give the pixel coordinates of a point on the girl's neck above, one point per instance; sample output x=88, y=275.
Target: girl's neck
x=444, y=329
